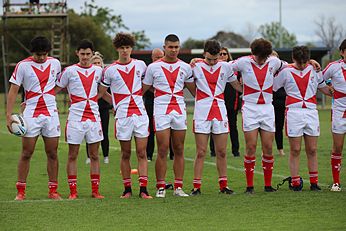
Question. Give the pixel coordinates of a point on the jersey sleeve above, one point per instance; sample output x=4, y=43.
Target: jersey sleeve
x=231, y=77
x=279, y=80
x=189, y=75
x=328, y=72
x=106, y=77
x=63, y=78
x=320, y=80
x=149, y=78
x=17, y=75
x=144, y=69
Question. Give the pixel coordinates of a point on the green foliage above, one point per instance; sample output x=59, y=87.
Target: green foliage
x=191, y=43
x=272, y=31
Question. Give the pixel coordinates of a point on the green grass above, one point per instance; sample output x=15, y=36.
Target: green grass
x=283, y=210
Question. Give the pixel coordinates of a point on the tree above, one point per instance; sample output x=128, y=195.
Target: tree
x=191, y=43
x=111, y=23
x=272, y=32
x=330, y=32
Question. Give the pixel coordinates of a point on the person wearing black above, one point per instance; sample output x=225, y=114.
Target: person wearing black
x=104, y=108
x=148, y=98
x=232, y=99
x=279, y=99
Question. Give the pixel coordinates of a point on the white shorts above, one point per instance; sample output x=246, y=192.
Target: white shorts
x=338, y=122
x=300, y=121
x=173, y=121
x=207, y=127
x=77, y=131
x=125, y=128
x=47, y=126
x=258, y=116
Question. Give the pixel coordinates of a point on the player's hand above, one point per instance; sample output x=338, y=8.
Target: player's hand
x=331, y=89
x=22, y=107
x=194, y=61
x=9, y=122
x=315, y=64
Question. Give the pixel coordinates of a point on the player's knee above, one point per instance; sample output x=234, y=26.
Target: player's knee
x=94, y=157
x=26, y=154
x=141, y=154
x=201, y=153
x=52, y=154
x=251, y=149
x=311, y=152
x=295, y=151
x=221, y=154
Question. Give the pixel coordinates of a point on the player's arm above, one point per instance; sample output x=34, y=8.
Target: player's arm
x=327, y=90
x=102, y=93
x=11, y=99
x=145, y=87
x=237, y=86
x=315, y=64
x=191, y=87
x=57, y=89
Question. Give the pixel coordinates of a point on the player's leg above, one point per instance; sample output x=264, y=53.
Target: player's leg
x=201, y=150
x=336, y=157
x=95, y=169
x=162, y=140
x=311, y=152
x=220, y=141
x=71, y=167
x=51, y=148
x=125, y=167
x=28, y=147
x=295, y=146
x=267, y=139
x=250, y=158
x=141, y=146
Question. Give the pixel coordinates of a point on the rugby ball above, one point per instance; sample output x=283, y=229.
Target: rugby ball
x=19, y=127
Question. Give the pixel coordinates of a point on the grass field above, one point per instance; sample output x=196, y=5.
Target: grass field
x=283, y=210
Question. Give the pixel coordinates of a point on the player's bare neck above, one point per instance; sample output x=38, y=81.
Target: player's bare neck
x=123, y=60
x=300, y=66
x=84, y=65
x=170, y=59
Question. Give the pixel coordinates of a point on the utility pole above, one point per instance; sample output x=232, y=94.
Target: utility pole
x=280, y=22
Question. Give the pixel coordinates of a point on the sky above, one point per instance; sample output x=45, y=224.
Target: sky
x=201, y=19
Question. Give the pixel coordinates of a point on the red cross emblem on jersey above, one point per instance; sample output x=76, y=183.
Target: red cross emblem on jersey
x=171, y=77
x=212, y=79
x=87, y=82
x=43, y=77
x=260, y=74
x=128, y=79
x=302, y=84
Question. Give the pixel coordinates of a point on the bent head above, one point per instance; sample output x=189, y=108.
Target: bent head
x=261, y=49
x=40, y=46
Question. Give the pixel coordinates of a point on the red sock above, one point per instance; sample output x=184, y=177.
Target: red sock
x=95, y=182
x=313, y=177
x=267, y=165
x=127, y=182
x=178, y=183
x=160, y=183
x=53, y=186
x=21, y=186
x=223, y=182
x=72, y=183
x=335, y=161
x=295, y=181
x=143, y=181
x=197, y=183
x=249, y=165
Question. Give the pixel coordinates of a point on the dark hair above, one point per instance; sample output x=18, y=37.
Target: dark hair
x=40, y=44
x=171, y=38
x=85, y=44
x=342, y=45
x=213, y=47
x=123, y=39
x=261, y=48
x=229, y=56
x=301, y=54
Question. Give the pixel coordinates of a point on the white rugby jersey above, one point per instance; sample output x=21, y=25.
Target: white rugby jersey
x=336, y=71
x=168, y=80
x=210, y=86
x=82, y=84
x=300, y=86
x=257, y=79
x=125, y=82
x=38, y=80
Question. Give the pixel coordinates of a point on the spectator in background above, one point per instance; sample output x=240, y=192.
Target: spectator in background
x=97, y=59
x=231, y=101
x=148, y=97
x=279, y=98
